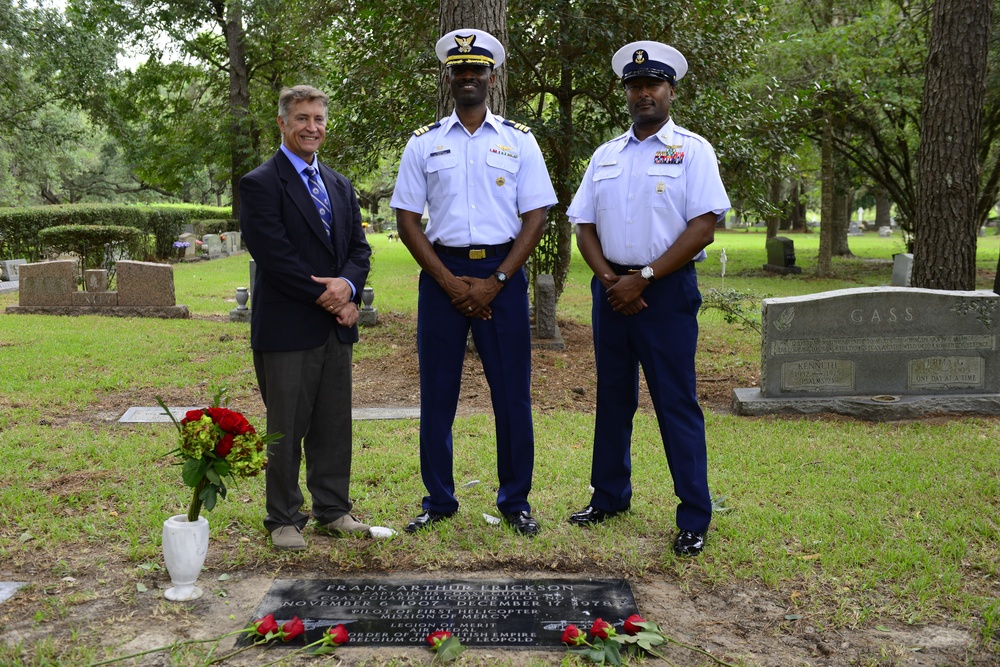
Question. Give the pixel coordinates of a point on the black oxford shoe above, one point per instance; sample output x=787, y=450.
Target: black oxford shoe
x=425, y=519
x=522, y=522
x=591, y=515
x=689, y=543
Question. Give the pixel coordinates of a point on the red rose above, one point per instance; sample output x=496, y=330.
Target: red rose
x=292, y=629
x=435, y=638
x=337, y=635
x=266, y=625
x=192, y=416
x=225, y=445
x=573, y=636
x=243, y=426
x=630, y=624
x=602, y=629
x=229, y=422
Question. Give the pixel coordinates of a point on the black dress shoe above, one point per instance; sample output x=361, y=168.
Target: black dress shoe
x=522, y=523
x=425, y=519
x=688, y=543
x=591, y=515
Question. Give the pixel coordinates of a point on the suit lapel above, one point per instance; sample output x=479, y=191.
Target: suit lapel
x=299, y=195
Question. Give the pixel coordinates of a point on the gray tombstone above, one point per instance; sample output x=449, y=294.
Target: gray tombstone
x=191, y=251
x=145, y=284
x=253, y=276
x=917, y=351
x=233, y=243
x=884, y=232
x=781, y=255
x=47, y=283
x=9, y=268
x=546, y=331
x=854, y=229
x=212, y=244
x=902, y=269
x=545, y=306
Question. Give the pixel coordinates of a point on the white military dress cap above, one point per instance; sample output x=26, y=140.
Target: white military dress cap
x=651, y=59
x=468, y=46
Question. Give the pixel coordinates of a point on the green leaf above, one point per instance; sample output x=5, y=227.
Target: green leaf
x=450, y=649
x=652, y=638
x=194, y=470
x=225, y=577
x=208, y=496
x=792, y=617
x=25, y=537
x=322, y=650
x=612, y=653
x=141, y=587
x=213, y=476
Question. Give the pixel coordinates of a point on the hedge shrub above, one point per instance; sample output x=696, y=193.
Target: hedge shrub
x=97, y=246
x=20, y=227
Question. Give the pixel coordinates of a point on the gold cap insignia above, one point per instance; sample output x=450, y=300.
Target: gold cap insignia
x=639, y=57
x=465, y=43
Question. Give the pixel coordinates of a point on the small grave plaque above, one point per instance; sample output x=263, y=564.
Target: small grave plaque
x=509, y=613
x=9, y=588
x=152, y=415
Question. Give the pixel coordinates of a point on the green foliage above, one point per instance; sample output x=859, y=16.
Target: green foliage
x=740, y=308
x=20, y=228
x=97, y=246
x=204, y=226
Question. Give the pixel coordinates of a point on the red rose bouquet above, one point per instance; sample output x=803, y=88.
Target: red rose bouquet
x=216, y=443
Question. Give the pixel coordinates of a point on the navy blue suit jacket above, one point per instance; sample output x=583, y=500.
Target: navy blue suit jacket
x=285, y=235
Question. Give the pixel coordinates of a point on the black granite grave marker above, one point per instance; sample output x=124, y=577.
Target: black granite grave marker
x=511, y=613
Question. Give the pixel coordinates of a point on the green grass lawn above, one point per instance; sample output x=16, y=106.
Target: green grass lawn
x=854, y=524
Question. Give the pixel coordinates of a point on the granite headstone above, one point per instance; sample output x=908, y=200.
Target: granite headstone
x=508, y=613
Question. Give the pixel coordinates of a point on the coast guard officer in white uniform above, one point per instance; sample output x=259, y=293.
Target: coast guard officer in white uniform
x=486, y=190
x=645, y=210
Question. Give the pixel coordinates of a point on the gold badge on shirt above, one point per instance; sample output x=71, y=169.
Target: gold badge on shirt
x=660, y=187
x=501, y=181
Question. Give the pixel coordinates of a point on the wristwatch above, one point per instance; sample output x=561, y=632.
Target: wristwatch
x=501, y=278
x=647, y=273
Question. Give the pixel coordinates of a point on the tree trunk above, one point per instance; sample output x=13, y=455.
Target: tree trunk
x=488, y=15
x=945, y=224
x=241, y=147
x=774, y=199
x=824, y=265
x=842, y=200
x=883, y=208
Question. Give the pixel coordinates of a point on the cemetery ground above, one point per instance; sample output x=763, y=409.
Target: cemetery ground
x=837, y=542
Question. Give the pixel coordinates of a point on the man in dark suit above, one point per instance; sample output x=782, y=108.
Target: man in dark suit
x=302, y=224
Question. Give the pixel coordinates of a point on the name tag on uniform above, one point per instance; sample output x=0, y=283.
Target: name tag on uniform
x=444, y=152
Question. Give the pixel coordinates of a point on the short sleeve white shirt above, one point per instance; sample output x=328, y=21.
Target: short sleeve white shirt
x=641, y=195
x=474, y=186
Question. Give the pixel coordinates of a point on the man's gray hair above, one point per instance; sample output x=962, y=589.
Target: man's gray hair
x=301, y=93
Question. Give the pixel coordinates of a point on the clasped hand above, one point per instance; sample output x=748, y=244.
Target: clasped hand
x=472, y=296
x=625, y=293
x=336, y=300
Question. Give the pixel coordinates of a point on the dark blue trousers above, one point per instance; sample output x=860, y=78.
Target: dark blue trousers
x=663, y=339
x=504, y=346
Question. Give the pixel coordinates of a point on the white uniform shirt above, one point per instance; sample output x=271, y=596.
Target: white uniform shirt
x=641, y=195
x=474, y=185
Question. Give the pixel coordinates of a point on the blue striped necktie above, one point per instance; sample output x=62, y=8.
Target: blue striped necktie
x=319, y=198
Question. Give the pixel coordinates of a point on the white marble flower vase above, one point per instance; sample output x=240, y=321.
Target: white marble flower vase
x=185, y=546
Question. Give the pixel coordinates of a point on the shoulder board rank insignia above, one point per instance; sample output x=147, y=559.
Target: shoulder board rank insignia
x=517, y=126
x=426, y=128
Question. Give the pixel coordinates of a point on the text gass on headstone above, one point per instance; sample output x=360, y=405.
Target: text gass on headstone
x=512, y=613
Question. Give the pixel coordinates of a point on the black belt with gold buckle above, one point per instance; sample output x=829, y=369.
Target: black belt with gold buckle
x=475, y=251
